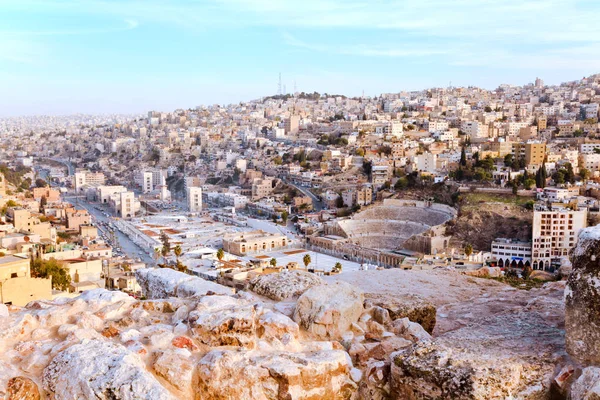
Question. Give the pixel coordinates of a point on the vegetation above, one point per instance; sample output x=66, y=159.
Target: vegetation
x=337, y=267
x=166, y=246
x=46, y=268
x=306, y=260
x=273, y=262
x=220, y=254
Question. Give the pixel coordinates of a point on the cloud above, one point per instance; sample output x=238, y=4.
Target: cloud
x=365, y=50
x=127, y=25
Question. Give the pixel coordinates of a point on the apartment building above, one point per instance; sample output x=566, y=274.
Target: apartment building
x=292, y=125
x=87, y=178
x=554, y=234
x=51, y=195
x=194, y=199
x=261, y=188
x=589, y=148
x=534, y=152
x=511, y=253
x=380, y=174
x=76, y=218
x=17, y=287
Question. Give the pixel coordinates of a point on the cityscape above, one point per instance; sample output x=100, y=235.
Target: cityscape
x=431, y=243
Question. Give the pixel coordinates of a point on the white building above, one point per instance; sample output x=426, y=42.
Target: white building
x=555, y=233
x=127, y=204
x=194, y=199
x=511, y=253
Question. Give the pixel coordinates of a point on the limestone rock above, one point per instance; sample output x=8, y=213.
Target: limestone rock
x=413, y=307
x=287, y=284
x=22, y=388
x=160, y=283
x=3, y=310
x=176, y=368
x=200, y=287
x=587, y=386
x=329, y=310
x=165, y=282
x=438, y=371
x=225, y=374
x=582, y=299
x=224, y=321
x=100, y=370
x=375, y=384
x=486, y=272
x=274, y=325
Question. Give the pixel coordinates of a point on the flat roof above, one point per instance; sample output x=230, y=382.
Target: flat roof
x=11, y=259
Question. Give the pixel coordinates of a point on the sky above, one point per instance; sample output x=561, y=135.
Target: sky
x=128, y=56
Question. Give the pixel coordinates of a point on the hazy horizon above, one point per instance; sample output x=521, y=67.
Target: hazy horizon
x=63, y=57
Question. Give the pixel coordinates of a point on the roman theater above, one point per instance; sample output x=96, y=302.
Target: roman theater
x=387, y=228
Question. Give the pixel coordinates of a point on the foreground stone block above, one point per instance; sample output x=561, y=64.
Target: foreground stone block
x=582, y=299
x=287, y=284
x=225, y=374
x=328, y=310
x=100, y=370
x=413, y=307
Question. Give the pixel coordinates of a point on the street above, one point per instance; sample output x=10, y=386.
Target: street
x=127, y=246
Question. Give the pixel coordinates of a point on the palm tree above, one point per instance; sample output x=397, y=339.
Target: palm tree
x=220, y=254
x=273, y=262
x=337, y=267
x=177, y=251
x=468, y=249
x=306, y=260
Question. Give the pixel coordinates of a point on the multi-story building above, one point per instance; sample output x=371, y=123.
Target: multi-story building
x=261, y=188
x=76, y=218
x=380, y=174
x=127, y=204
x=292, y=124
x=364, y=195
x=511, y=253
x=17, y=287
x=554, y=234
x=194, y=199
x=87, y=178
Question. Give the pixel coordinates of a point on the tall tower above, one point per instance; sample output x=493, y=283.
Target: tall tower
x=279, y=86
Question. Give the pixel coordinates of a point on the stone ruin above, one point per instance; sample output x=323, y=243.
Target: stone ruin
x=193, y=339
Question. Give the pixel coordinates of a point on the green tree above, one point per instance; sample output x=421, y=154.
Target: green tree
x=273, y=262
x=177, y=251
x=508, y=160
x=584, y=174
x=40, y=183
x=46, y=268
x=166, y=246
x=220, y=254
x=463, y=157
x=284, y=217
x=337, y=267
x=360, y=152
x=468, y=249
x=528, y=183
x=181, y=267
x=306, y=260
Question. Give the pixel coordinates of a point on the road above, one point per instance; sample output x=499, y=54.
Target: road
x=317, y=205
x=128, y=247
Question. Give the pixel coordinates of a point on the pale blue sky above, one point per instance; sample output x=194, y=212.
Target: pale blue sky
x=98, y=56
